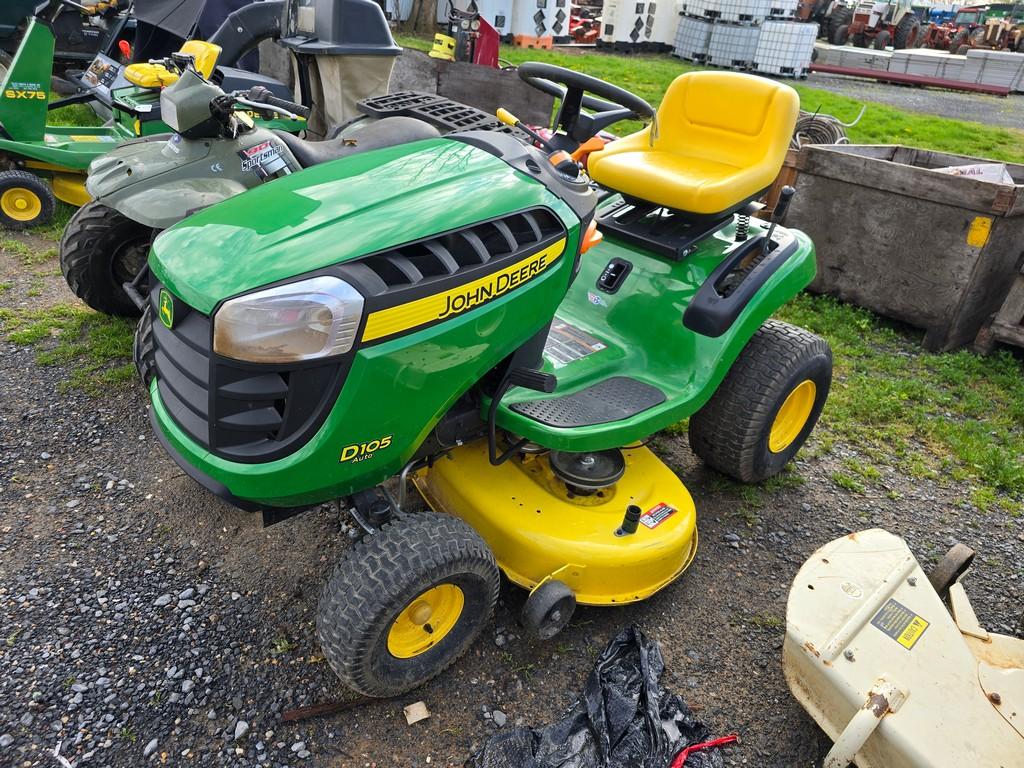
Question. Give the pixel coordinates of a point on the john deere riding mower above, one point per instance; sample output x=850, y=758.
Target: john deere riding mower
x=447, y=311
x=43, y=163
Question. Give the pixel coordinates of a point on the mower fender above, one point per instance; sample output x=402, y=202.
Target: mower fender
x=60, y=158
x=164, y=205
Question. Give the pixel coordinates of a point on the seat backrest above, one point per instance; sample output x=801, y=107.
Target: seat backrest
x=204, y=53
x=728, y=117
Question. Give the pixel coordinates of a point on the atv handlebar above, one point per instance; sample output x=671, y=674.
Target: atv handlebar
x=261, y=98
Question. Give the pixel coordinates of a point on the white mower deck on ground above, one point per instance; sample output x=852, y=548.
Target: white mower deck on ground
x=877, y=659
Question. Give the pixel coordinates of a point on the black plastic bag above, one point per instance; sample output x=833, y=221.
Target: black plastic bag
x=623, y=719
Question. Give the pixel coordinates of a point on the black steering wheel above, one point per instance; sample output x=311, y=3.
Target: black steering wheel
x=572, y=89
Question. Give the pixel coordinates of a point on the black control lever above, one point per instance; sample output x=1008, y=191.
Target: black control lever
x=529, y=378
x=779, y=214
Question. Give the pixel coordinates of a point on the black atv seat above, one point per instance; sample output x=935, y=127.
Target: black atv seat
x=361, y=137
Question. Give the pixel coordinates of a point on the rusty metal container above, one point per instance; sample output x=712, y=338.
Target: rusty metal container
x=936, y=251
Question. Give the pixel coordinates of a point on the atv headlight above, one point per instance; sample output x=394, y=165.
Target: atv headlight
x=299, y=321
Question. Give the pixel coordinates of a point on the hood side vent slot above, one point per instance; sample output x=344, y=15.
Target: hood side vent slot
x=454, y=252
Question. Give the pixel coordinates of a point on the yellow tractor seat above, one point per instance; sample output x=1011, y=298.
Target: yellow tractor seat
x=146, y=75
x=720, y=139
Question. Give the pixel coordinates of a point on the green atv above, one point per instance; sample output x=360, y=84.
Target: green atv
x=478, y=316
x=44, y=163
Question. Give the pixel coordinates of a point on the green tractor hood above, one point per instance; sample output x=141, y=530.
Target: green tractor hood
x=339, y=211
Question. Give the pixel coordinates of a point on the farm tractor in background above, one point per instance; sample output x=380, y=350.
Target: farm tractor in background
x=995, y=27
x=877, y=24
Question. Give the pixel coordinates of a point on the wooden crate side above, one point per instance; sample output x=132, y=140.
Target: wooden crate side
x=907, y=181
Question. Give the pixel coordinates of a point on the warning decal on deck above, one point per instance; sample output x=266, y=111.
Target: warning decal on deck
x=657, y=515
x=566, y=343
x=900, y=623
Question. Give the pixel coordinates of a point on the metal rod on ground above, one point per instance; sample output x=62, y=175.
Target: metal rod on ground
x=319, y=710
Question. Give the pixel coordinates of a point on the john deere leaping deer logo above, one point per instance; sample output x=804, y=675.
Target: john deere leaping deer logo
x=166, y=308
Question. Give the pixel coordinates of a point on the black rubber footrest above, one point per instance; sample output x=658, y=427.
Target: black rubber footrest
x=613, y=399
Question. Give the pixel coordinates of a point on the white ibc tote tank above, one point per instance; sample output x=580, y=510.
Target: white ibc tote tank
x=536, y=23
x=498, y=13
x=639, y=24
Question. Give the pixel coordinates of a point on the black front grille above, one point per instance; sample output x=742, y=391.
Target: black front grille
x=456, y=253
x=242, y=411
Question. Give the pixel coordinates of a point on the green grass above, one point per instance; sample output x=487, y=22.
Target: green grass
x=27, y=255
x=76, y=114
x=946, y=416
x=648, y=76
x=93, y=348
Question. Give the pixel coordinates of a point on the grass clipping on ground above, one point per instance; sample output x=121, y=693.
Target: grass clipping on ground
x=94, y=349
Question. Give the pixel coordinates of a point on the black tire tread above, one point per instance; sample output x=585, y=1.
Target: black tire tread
x=840, y=17
x=902, y=31
x=37, y=185
x=375, y=572
x=78, y=248
x=144, y=348
x=724, y=433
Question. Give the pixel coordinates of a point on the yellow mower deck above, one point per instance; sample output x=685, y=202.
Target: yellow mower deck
x=539, y=530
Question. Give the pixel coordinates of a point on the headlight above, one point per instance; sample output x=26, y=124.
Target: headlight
x=169, y=111
x=299, y=321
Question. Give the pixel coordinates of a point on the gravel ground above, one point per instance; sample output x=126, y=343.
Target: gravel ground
x=981, y=108
x=144, y=622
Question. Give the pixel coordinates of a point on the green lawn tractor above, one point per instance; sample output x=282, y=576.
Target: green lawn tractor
x=474, y=315
x=43, y=163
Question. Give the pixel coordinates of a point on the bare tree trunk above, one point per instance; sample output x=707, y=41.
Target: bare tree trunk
x=422, y=17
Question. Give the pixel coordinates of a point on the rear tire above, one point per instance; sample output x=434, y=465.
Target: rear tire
x=907, y=33
x=143, y=348
x=102, y=249
x=25, y=200
x=370, y=619
x=841, y=17
x=744, y=431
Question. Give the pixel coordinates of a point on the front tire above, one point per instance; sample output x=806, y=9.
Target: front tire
x=101, y=250
x=144, y=349
x=404, y=603
x=25, y=200
x=767, y=405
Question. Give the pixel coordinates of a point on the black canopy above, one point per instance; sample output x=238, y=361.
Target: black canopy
x=177, y=17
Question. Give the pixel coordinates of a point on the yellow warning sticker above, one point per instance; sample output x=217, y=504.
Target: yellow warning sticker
x=900, y=623
x=978, y=232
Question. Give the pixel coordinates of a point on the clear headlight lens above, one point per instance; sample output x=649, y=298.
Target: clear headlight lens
x=169, y=111
x=306, y=320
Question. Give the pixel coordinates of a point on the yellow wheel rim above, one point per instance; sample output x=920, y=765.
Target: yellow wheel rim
x=425, y=621
x=21, y=204
x=792, y=416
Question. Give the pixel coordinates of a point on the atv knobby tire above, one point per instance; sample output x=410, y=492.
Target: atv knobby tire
x=731, y=432
x=380, y=577
x=25, y=200
x=143, y=348
x=101, y=250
